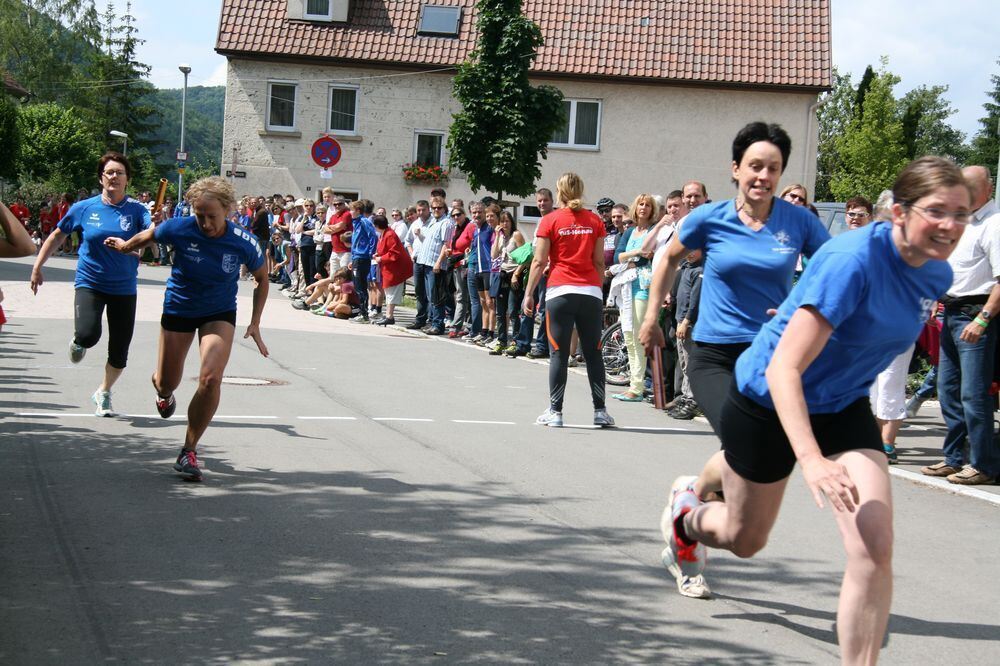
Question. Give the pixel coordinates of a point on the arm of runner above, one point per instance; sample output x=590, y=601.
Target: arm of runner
x=137, y=242
x=17, y=241
x=651, y=335
x=535, y=274
x=259, y=299
x=54, y=241
x=804, y=338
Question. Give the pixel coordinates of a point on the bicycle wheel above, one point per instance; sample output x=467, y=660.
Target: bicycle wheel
x=615, y=355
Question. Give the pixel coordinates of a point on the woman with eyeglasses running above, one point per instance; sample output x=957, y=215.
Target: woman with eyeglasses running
x=800, y=395
x=105, y=279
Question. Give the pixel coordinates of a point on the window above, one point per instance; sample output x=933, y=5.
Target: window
x=582, y=128
x=428, y=149
x=318, y=10
x=439, y=21
x=281, y=105
x=343, y=109
x=348, y=195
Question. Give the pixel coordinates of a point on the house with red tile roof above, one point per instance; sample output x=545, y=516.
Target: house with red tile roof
x=654, y=91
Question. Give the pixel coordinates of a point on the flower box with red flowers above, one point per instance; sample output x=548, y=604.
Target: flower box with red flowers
x=422, y=173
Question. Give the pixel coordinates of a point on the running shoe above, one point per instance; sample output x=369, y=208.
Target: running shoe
x=685, y=561
x=103, y=401
x=550, y=418
x=603, y=419
x=572, y=362
x=913, y=406
x=187, y=465
x=166, y=406
x=76, y=352
x=890, y=453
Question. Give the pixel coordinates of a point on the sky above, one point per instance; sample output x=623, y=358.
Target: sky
x=927, y=43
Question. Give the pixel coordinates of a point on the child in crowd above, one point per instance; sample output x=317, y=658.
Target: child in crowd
x=344, y=301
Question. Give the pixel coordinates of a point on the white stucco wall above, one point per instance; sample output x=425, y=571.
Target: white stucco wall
x=653, y=137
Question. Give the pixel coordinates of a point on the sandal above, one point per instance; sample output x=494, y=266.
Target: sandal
x=627, y=396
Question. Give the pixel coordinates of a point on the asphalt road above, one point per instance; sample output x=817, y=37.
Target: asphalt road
x=388, y=500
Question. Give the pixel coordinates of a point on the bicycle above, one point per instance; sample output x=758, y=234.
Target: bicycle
x=613, y=351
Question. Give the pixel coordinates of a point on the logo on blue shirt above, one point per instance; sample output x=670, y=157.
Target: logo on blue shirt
x=230, y=262
x=125, y=222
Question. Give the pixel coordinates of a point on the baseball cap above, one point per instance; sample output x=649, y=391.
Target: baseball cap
x=300, y=202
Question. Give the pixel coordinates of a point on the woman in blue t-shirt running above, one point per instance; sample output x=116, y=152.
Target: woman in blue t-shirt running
x=201, y=298
x=801, y=394
x=105, y=281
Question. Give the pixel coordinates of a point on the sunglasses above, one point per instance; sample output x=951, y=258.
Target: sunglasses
x=795, y=197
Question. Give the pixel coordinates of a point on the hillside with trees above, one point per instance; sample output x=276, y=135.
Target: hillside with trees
x=202, y=129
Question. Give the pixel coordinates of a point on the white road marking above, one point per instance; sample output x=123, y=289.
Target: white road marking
x=942, y=484
x=484, y=422
x=327, y=418
x=401, y=418
x=54, y=415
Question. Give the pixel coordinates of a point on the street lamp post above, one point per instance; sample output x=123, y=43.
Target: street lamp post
x=185, y=69
x=124, y=137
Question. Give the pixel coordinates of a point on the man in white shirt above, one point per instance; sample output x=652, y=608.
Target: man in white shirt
x=968, y=343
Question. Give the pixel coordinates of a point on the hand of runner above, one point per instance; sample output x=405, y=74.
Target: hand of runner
x=829, y=478
x=114, y=243
x=651, y=337
x=36, y=280
x=253, y=331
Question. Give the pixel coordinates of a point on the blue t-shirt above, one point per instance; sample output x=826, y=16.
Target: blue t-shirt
x=206, y=272
x=100, y=268
x=746, y=272
x=876, y=304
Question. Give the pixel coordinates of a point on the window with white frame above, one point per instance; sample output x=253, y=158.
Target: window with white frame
x=582, y=128
x=440, y=21
x=318, y=10
x=343, y=109
x=428, y=148
x=281, y=98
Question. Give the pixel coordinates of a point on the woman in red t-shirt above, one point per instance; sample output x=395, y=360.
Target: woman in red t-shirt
x=569, y=240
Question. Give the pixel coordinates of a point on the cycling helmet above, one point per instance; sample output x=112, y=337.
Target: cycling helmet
x=605, y=202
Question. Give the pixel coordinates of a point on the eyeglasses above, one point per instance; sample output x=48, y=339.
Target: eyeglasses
x=857, y=215
x=437, y=207
x=938, y=215
x=795, y=197
x=457, y=213
x=114, y=174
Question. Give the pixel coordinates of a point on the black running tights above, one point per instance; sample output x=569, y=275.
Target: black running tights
x=586, y=313
x=89, y=309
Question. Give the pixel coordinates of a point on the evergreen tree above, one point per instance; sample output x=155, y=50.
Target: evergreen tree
x=505, y=124
x=866, y=82
x=872, y=147
x=985, y=148
x=925, y=113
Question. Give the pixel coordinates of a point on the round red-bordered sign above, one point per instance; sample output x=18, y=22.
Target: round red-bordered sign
x=326, y=152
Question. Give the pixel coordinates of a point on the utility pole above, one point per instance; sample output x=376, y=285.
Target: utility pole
x=185, y=69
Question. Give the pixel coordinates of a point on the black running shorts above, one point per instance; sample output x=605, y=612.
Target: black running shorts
x=191, y=324
x=757, y=448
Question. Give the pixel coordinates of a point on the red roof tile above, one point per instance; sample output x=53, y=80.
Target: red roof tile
x=741, y=42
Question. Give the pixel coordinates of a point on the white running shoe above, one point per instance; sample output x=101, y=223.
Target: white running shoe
x=602, y=418
x=76, y=352
x=103, y=401
x=550, y=418
x=685, y=561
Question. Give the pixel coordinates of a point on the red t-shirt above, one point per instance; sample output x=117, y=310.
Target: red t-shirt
x=336, y=244
x=573, y=236
x=21, y=213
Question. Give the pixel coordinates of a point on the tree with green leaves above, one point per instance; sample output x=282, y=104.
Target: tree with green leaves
x=10, y=138
x=502, y=132
x=56, y=146
x=985, y=148
x=871, y=149
x=925, y=112
x=833, y=118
